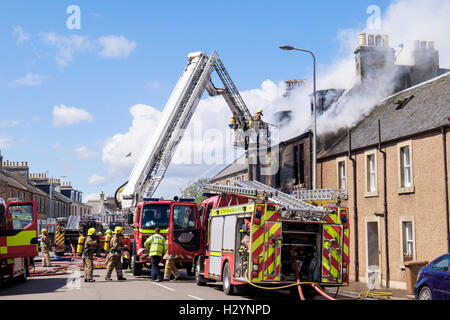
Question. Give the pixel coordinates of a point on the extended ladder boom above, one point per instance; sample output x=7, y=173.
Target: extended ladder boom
x=157, y=154
x=293, y=208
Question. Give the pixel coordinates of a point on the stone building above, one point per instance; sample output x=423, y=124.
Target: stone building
x=60, y=206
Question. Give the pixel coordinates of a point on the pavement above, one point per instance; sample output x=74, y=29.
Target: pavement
x=355, y=288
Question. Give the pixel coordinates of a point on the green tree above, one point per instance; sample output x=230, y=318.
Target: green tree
x=195, y=190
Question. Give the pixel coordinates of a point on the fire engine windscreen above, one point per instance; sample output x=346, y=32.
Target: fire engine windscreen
x=21, y=215
x=184, y=217
x=155, y=216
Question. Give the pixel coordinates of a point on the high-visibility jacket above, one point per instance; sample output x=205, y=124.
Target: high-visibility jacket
x=156, y=245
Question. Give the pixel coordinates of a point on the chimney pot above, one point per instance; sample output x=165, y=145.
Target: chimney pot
x=362, y=39
x=370, y=39
x=430, y=45
x=385, y=39
x=417, y=44
x=423, y=44
x=378, y=40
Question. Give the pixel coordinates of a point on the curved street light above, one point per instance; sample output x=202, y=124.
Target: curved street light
x=287, y=47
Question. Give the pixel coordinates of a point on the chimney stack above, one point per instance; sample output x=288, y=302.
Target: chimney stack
x=426, y=61
x=375, y=58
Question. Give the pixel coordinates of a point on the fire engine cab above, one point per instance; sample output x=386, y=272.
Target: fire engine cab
x=179, y=223
x=18, y=239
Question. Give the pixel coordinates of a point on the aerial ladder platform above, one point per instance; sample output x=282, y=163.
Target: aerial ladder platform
x=157, y=153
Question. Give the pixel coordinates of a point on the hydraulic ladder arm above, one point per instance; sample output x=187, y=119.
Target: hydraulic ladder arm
x=155, y=158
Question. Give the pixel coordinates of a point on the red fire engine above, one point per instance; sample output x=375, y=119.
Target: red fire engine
x=256, y=235
x=18, y=239
x=179, y=223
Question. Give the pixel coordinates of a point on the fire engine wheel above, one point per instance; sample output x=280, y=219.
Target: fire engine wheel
x=228, y=288
x=136, y=266
x=199, y=279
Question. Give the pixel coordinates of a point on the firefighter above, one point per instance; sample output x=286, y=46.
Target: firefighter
x=258, y=115
x=115, y=255
x=156, y=246
x=170, y=268
x=45, y=248
x=90, y=247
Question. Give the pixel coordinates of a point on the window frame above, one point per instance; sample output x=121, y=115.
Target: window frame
x=402, y=188
x=338, y=172
x=404, y=242
x=368, y=192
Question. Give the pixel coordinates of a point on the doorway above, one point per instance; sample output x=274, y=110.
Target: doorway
x=373, y=251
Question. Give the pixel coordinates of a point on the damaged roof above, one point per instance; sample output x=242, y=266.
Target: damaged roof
x=417, y=109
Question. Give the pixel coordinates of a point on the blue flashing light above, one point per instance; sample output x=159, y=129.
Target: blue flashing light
x=186, y=200
x=151, y=199
x=209, y=194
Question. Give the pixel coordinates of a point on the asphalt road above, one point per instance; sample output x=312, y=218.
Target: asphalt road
x=73, y=287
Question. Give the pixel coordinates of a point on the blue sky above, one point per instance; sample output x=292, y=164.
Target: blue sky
x=159, y=35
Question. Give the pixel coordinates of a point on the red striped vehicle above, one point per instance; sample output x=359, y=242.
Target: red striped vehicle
x=179, y=223
x=246, y=240
x=18, y=239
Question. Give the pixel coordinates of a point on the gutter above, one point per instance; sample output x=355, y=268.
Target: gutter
x=447, y=216
x=355, y=205
x=386, y=234
x=374, y=145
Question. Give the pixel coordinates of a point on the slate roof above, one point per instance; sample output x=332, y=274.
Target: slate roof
x=428, y=109
x=238, y=165
x=16, y=181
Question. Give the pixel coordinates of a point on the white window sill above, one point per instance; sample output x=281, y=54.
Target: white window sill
x=406, y=190
x=371, y=194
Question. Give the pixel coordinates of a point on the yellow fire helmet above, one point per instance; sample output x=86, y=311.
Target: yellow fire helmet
x=43, y=231
x=108, y=231
x=118, y=230
x=91, y=231
x=259, y=111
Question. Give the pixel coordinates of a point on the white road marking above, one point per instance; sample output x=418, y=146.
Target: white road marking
x=163, y=286
x=195, y=297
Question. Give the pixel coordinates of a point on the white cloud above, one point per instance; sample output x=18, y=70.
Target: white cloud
x=20, y=34
x=118, y=146
x=5, y=142
x=96, y=179
x=83, y=152
x=91, y=196
x=9, y=123
x=63, y=115
x=36, y=119
x=66, y=46
x=30, y=79
x=115, y=46
x=153, y=84
x=56, y=145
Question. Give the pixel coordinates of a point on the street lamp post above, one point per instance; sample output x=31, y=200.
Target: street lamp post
x=286, y=47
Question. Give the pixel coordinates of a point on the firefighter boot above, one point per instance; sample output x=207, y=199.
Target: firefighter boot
x=120, y=275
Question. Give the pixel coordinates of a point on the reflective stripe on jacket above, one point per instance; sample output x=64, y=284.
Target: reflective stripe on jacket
x=156, y=245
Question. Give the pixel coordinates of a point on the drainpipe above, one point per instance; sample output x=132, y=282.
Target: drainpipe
x=447, y=216
x=355, y=207
x=385, y=206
